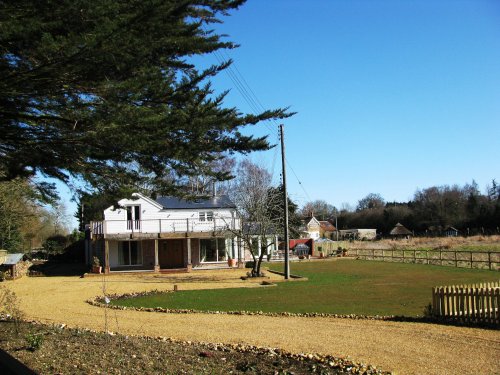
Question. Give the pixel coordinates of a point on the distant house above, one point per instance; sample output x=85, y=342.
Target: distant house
x=164, y=234
x=400, y=231
x=358, y=234
x=451, y=231
x=312, y=229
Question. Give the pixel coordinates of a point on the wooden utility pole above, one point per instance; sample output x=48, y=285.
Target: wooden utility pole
x=285, y=203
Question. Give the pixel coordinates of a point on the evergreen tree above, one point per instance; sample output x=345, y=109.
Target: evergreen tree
x=102, y=91
x=277, y=211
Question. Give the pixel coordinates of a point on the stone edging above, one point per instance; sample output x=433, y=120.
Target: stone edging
x=345, y=365
x=99, y=301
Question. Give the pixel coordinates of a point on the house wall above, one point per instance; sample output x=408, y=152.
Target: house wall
x=155, y=219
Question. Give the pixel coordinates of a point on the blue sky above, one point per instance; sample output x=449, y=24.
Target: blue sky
x=391, y=96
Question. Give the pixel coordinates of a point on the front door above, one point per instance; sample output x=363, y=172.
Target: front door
x=171, y=254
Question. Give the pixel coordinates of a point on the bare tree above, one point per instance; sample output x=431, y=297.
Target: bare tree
x=320, y=209
x=252, y=194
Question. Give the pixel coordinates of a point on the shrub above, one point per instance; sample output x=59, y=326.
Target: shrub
x=34, y=341
x=428, y=311
x=9, y=306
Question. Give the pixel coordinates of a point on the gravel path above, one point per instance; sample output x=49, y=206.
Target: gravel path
x=405, y=348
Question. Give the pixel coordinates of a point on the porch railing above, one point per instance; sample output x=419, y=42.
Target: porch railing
x=163, y=226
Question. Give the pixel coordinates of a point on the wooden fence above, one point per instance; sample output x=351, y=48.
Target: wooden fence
x=461, y=258
x=477, y=303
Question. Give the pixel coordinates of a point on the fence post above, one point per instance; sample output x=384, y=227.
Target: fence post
x=440, y=257
x=456, y=263
x=415, y=256
x=471, y=259
x=489, y=262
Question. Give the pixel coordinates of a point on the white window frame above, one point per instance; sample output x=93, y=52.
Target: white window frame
x=206, y=216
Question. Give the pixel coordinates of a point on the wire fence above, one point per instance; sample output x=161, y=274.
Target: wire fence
x=455, y=258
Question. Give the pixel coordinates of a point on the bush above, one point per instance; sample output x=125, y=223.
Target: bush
x=9, y=306
x=34, y=341
x=249, y=264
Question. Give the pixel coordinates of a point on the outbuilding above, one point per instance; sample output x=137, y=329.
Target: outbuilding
x=9, y=263
x=400, y=231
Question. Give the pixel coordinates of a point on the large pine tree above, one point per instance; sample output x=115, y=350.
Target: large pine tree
x=102, y=91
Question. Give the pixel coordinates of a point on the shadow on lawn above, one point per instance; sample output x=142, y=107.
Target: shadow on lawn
x=51, y=268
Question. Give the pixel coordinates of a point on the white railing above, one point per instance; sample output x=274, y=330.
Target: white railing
x=163, y=226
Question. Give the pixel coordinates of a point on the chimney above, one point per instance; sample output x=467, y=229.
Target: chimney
x=214, y=188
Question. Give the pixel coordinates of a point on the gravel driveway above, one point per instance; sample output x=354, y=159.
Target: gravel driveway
x=405, y=348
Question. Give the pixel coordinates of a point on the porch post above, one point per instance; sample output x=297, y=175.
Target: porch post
x=157, y=263
x=241, y=252
x=106, y=256
x=189, y=264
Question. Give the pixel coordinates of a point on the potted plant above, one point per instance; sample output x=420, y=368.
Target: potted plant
x=96, y=265
x=231, y=262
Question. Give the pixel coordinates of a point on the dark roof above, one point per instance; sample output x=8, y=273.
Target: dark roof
x=12, y=259
x=400, y=230
x=175, y=203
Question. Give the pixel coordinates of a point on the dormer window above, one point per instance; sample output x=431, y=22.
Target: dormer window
x=206, y=216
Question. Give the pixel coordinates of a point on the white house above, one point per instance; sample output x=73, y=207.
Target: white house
x=312, y=229
x=166, y=233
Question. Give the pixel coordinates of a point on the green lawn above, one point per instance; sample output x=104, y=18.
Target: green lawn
x=338, y=287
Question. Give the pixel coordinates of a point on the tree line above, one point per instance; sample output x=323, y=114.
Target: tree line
x=28, y=220
x=430, y=212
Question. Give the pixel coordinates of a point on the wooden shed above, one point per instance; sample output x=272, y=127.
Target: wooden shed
x=9, y=263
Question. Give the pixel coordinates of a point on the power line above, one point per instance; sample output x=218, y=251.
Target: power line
x=256, y=106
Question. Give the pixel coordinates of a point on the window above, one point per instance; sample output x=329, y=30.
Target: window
x=130, y=253
x=133, y=217
x=213, y=250
x=206, y=216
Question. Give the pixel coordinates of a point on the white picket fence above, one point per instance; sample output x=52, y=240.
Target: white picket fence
x=478, y=303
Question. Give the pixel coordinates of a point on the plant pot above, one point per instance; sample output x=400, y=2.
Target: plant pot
x=231, y=262
x=96, y=269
